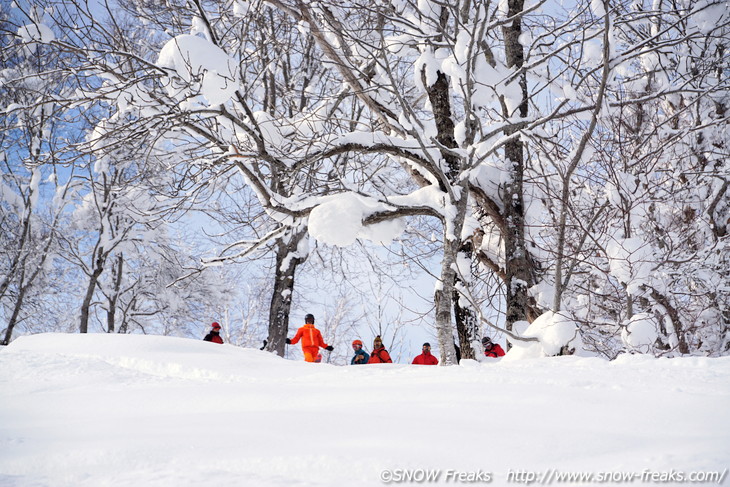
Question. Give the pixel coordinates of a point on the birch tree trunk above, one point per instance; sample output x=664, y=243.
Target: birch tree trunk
x=443, y=297
x=438, y=94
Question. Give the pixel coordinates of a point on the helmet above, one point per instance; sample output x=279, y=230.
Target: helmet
x=215, y=325
x=486, y=340
x=356, y=342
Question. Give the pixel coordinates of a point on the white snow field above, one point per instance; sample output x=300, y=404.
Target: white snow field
x=131, y=410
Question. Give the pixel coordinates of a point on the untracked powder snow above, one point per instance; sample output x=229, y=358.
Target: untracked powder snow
x=133, y=410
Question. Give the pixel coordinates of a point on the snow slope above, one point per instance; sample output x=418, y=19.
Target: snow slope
x=130, y=410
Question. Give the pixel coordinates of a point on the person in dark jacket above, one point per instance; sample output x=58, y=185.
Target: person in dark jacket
x=379, y=355
x=361, y=356
x=426, y=358
x=492, y=349
x=215, y=334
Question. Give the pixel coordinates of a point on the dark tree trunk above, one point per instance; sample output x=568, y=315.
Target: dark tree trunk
x=93, y=279
x=117, y=272
x=518, y=266
x=466, y=327
x=16, y=309
x=287, y=261
x=682, y=344
x=467, y=323
x=14, y=318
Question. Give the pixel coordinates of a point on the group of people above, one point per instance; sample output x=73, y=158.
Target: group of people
x=379, y=355
x=490, y=350
x=312, y=341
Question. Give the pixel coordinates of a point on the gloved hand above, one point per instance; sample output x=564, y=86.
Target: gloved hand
x=329, y=348
x=288, y=342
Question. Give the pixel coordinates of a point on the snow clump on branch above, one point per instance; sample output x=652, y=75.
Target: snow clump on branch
x=191, y=56
x=553, y=331
x=338, y=220
x=640, y=332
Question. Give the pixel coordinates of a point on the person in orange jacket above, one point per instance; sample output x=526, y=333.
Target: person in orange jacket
x=379, y=355
x=311, y=339
x=426, y=358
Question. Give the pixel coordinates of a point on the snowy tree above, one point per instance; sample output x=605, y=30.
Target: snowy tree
x=641, y=210
x=210, y=80
x=34, y=188
x=543, y=140
x=671, y=186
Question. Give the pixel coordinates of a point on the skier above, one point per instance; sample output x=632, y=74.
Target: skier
x=311, y=339
x=492, y=349
x=214, y=335
x=379, y=354
x=426, y=358
x=361, y=356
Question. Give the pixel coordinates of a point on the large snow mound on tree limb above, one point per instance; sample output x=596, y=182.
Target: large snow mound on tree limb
x=130, y=410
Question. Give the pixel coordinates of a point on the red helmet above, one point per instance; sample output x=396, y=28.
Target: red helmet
x=356, y=342
x=216, y=326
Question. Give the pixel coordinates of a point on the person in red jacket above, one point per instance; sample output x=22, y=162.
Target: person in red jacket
x=492, y=349
x=426, y=358
x=215, y=334
x=311, y=339
x=379, y=355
